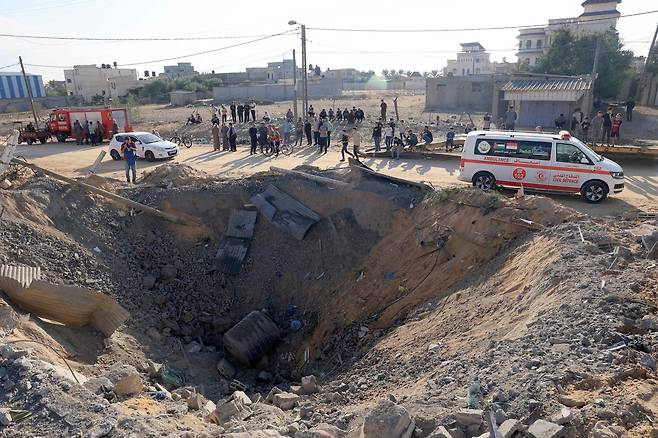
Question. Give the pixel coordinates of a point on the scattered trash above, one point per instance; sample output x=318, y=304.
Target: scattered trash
x=18, y=415
x=403, y=289
x=361, y=276
x=171, y=377
x=159, y=395
x=390, y=275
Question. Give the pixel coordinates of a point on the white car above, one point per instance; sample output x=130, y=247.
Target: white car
x=544, y=162
x=149, y=146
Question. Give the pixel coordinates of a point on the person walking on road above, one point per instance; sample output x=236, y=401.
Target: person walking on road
x=345, y=141
x=215, y=137
x=129, y=152
x=356, y=143
x=232, y=138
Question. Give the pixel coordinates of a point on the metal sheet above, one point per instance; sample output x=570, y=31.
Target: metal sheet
x=231, y=254
x=285, y=212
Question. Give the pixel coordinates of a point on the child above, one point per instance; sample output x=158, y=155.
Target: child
x=450, y=138
x=616, y=126
x=584, y=127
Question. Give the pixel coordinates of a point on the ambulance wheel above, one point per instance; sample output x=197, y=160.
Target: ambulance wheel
x=29, y=141
x=116, y=156
x=484, y=181
x=594, y=192
x=149, y=156
x=61, y=138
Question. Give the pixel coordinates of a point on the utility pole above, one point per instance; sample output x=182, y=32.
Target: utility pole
x=597, y=53
x=651, y=48
x=29, y=93
x=294, y=84
x=305, y=77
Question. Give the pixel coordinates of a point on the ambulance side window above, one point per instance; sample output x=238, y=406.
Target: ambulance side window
x=568, y=153
x=531, y=150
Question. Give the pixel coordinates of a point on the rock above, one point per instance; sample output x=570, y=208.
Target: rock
x=387, y=420
x=148, y=281
x=168, y=273
x=563, y=417
x=309, y=385
x=225, y=369
x=251, y=338
x=646, y=360
x=509, y=427
x=126, y=380
x=600, y=430
x=545, y=429
x=196, y=401
x=440, y=432
x=227, y=411
x=99, y=385
x=570, y=401
x=295, y=389
x=469, y=417
x=5, y=416
x=5, y=184
x=285, y=400
x=242, y=397
x=323, y=431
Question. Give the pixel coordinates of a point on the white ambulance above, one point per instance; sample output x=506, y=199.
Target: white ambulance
x=546, y=162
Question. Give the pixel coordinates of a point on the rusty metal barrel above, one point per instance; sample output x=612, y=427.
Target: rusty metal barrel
x=250, y=339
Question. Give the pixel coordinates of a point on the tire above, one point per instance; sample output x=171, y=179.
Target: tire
x=175, y=140
x=29, y=141
x=286, y=149
x=61, y=138
x=187, y=142
x=116, y=156
x=268, y=150
x=149, y=156
x=43, y=140
x=594, y=192
x=484, y=181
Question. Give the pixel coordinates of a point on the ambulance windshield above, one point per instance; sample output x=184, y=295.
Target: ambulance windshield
x=585, y=147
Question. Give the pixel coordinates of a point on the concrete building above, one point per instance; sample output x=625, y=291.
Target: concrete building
x=539, y=101
x=472, y=60
x=12, y=86
x=181, y=70
x=89, y=81
x=182, y=97
x=342, y=74
x=598, y=16
x=459, y=93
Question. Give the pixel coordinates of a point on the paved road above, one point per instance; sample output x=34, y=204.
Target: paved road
x=641, y=173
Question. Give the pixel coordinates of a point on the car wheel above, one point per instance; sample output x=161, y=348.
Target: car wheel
x=594, y=192
x=29, y=141
x=116, y=156
x=484, y=181
x=149, y=156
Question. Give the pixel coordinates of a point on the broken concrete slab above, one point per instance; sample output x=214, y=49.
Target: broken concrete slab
x=285, y=400
x=545, y=429
x=509, y=428
x=387, y=420
x=241, y=224
x=440, y=432
x=225, y=368
x=251, y=338
x=231, y=254
x=469, y=417
x=227, y=411
x=126, y=380
x=309, y=385
x=69, y=305
x=285, y=212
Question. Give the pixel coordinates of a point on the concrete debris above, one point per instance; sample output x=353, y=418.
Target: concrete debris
x=601, y=430
x=509, y=428
x=285, y=400
x=440, y=432
x=571, y=402
x=225, y=369
x=387, y=420
x=5, y=184
x=545, y=429
x=469, y=417
x=228, y=410
x=309, y=384
x=5, y=416
x=242, y=397
x=126, y=380
x=196, y=402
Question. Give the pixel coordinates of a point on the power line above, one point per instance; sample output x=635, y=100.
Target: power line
x=333, y=29
x=189, y=55
x=52, y=37
x=8, y=66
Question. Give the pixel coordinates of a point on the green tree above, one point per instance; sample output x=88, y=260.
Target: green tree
x=573, y=55
x=385, y=72
x=55, y=88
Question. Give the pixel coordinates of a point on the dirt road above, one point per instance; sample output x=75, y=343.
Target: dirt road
x=641, y=174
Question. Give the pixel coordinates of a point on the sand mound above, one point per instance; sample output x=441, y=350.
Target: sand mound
x=174, y=175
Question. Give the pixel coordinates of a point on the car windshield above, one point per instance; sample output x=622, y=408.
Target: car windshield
x=585, y=147
x=149, y=138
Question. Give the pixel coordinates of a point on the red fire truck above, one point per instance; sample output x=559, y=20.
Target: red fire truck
x=62, y=120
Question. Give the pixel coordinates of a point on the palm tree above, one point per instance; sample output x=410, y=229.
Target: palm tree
x=385, y=72
x=435, y=73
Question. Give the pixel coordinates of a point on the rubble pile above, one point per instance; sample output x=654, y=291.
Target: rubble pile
x=393, y=317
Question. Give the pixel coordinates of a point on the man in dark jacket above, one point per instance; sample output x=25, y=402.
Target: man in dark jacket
x=233, y=112
x=253, y=138
x=232, y=138
x=262, y=136
x=308, y=130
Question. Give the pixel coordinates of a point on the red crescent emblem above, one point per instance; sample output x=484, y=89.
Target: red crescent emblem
x=518, y=173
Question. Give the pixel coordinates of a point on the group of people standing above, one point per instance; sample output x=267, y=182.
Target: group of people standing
x=239, y=112
x=90, y=132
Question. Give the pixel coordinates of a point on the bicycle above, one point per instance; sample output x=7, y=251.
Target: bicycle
x=181, y=140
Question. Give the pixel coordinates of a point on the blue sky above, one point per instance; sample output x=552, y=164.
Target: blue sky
x=366, y=51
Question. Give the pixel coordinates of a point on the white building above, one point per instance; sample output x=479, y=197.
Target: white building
x=181, y=70
x=598, y=16
x=89, y=81
x=472, y=60
x=343, y=74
